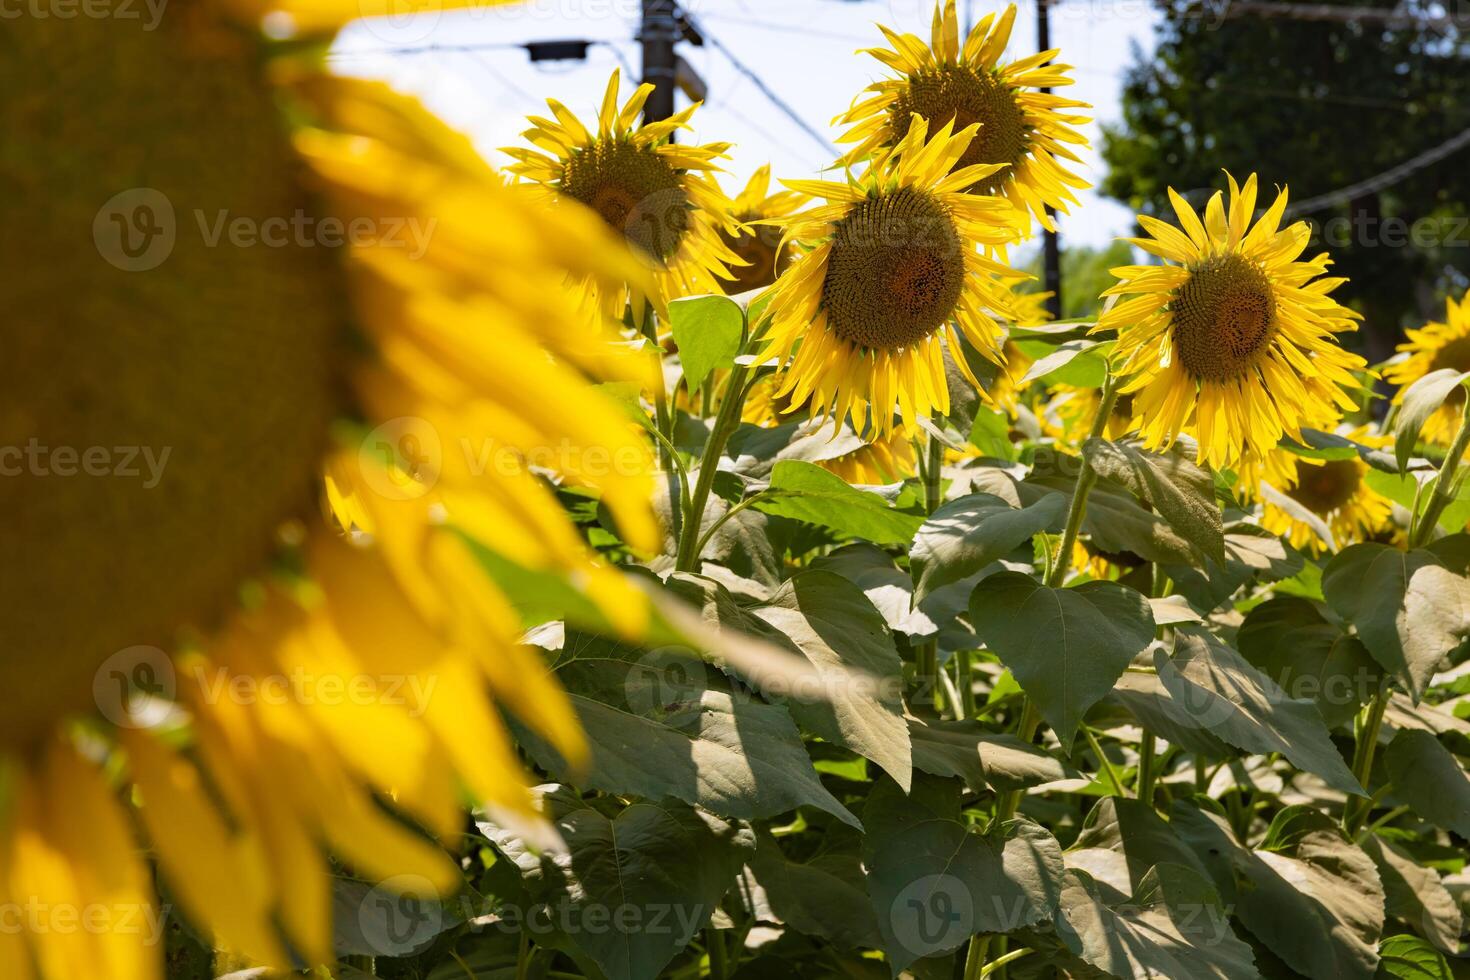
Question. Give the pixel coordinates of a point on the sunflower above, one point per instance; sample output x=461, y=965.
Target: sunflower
x=1336, y=490
x=289, y=632
x=1434, y=347
x=1021, y=127
x=1232, y=339
x=892, y=270
x=656, y=193
x=759, y=245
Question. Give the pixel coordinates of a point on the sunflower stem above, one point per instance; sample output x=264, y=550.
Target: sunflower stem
x=1444, y=484
x=1104, y=763
x=660, y=395
x=931, y=471
x=1086, y=479
x=1357, y=808
x=731, y=402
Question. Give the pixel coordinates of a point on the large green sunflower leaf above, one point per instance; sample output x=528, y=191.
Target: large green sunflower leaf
x=964, y=535
x=1310, y=895
x=1411, y=958
x=1422, y=399
x=1230, y=698
x=1066, y=647
x=707, y=330
x=1177, y=489
x=1290, y=641
x=806, y=492
x=1410, y=611
x=1173, y=926
x=1430, y=779
x=635, y=887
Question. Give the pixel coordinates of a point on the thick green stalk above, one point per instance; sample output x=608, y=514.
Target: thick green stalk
x=1444, y=486
x=1146, y=768
x=709, y=464
x=1357, y=808
x=1086, y=480
x=927, y=655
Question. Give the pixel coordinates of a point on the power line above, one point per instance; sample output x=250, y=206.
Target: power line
x=1381, y=181
x=774, y=99
x=1388, y=16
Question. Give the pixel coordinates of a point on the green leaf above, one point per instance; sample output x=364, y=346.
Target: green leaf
x=707, y=330
x=1311, y=895
x=981, y=759
x=634, y=888
x=1181, y=492
x=1330, y=445
x=990, y=432
x=1134, y=837
x=1230, y=698
x=1402, y=489
x=826, y=896
x=1251, y=554
x=937, y=882
x=1114, y=521
x=1410, y=611
x=965, y=535
x=1411, y=958
x=1081, y=363
x=663, y=726
x=839, y=631
x=1293, y=644
x=756, y=449
x=1431, y=780
x=806, y=492
x=1066, y=647
x=399, y=917
x=1173, y=927
x=1421, y=400
x=1414, y=893
x=1146, y=699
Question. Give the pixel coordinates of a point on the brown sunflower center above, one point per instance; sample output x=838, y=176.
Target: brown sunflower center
x=965, y=95
x=1224, y=317
x=634, y=190
x=1456, y=355
x=1322, y=489
x=895, y=272
x=761, y=247
x=169, y=373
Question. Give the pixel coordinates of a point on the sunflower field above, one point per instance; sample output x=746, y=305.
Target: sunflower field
x=599, y=568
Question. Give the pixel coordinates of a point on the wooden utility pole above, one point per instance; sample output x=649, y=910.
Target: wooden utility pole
x=658, y=32
x=1051, y=249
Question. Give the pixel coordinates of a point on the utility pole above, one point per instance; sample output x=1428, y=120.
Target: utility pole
x=1051, y=249
x=658, y=32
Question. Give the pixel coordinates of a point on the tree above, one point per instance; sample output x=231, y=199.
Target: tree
x=1318, y=105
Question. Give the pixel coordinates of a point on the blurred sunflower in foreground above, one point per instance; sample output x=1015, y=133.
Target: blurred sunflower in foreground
x=1434, y=347
x=1232, y=340
x=656, y=193
x=759, y=245
x=1335, y=490
x=344, y=432
x=947, y=81
x=858, y=322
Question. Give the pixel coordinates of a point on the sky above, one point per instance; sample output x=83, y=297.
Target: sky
x=802, y=49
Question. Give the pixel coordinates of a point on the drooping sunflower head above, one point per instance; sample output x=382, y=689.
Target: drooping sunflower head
x=893, y=270
x=1233, y=339
x=659, y=195
x=1434, y=347
x=963, y=81
x=759, y=245
x=276, y=380
x=1334, y=490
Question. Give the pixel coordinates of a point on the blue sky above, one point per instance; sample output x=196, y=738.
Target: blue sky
x=803, y=49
